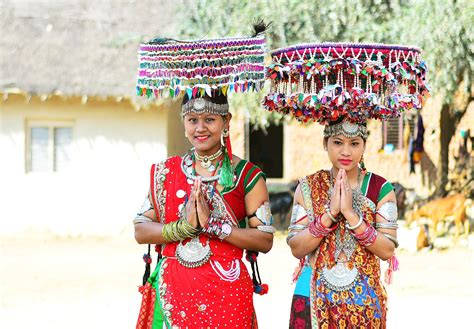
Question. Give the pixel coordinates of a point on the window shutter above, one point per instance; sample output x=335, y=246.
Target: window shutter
x=394, y=132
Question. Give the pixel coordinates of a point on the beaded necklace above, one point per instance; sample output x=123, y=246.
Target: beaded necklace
x=188, y=167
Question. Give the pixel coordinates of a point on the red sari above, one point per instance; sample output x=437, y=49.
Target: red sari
x=205, y=296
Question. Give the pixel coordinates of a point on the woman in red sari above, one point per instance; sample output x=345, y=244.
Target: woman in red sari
x=203, y=224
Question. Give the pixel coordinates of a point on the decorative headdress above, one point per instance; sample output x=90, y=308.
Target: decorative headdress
x=328, y=81
x=202, y=70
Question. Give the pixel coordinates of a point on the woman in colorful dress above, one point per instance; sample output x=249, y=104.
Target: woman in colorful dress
x=204, y=209
x=343, y=222
x=344, y=219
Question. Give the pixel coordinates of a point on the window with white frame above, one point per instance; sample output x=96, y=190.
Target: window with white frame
x=48, y=146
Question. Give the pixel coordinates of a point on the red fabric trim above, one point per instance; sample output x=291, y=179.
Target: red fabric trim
x=152, y=189
x=374, y=185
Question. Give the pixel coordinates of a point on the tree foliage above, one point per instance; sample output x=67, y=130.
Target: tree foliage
x=443, y=29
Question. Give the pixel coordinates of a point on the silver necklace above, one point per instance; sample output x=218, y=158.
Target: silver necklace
x=347, y=243
x=340, y=277
x=206, y=160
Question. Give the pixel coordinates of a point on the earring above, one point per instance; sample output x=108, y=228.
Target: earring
x=186, y=134
x=363, y=169
x=224, y=135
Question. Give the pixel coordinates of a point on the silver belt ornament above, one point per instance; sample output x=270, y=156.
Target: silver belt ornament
x=339, y=277
x=193, y=254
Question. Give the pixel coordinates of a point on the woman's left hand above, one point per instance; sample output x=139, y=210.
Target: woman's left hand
x=202, y=206
x=346, y=195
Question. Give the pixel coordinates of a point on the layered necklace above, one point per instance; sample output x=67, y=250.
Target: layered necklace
x=206, y=160
x=340, y=277
x=347, y=242
x=188, y=166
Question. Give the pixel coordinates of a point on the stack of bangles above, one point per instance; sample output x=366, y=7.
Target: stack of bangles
x=367, y=237
x=179, y=230
x=318, y=230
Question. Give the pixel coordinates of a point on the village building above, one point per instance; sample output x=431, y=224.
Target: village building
x=76, y=144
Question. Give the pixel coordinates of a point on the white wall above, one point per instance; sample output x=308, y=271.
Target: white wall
x=113, y=148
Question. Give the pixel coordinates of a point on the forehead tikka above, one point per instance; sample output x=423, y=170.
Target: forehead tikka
x=201, y=105
x=347, y=129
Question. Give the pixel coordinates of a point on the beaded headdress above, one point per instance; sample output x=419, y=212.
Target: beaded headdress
x=202, y=70
x=328, y=81
x=203, y=67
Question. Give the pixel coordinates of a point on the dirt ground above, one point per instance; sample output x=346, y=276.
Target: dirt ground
x=49, y=282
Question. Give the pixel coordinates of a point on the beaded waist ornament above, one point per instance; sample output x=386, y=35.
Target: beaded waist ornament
x=325, y=81
x=170, y=67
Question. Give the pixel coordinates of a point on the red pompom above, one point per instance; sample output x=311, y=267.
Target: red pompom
x=263, y=289
x=147, y=259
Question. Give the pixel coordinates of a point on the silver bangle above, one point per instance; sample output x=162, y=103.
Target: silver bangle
x=328, y=211
x=290, y=236
x=297, y=227
x=387, y=225
x=334, y=220
x=266, y=228
x=141, y=219
x=359, y=223
x=391, y=238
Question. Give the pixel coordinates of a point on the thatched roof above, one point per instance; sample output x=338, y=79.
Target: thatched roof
x=80, y=47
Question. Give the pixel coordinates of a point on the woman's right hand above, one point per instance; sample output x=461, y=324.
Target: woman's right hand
x=335, y=202
x=191, y=208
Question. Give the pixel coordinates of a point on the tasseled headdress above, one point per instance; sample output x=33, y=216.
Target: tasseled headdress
x=169, y=67
x=202, y=70
x=328, y=82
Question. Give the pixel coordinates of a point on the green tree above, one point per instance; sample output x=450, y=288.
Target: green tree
x=446, y=36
